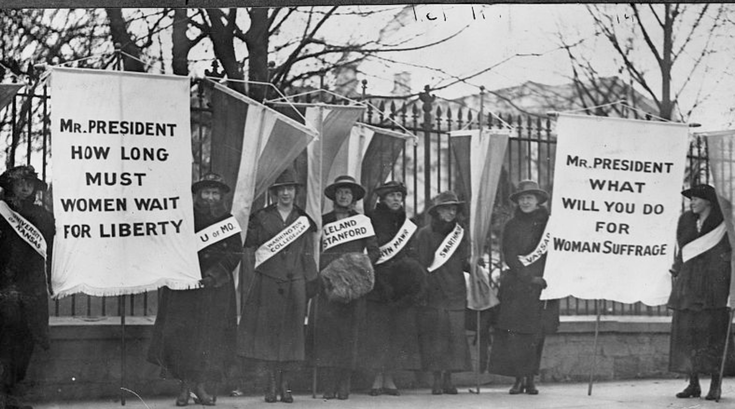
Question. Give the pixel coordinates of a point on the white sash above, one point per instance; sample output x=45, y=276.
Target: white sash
x=704, y=243
x=447, y=248
x=393, y=247
x=217, y=232
x=540, y=250
x=346, y=230
x=281, y=240
x=28, y=232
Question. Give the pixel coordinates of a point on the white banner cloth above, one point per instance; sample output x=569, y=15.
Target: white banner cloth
x=121, y=180
x=615, y=207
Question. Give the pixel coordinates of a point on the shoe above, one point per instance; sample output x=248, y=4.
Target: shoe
x=329, y=395
x=447, y=386
x=517, y=387
x=237, y=393
x=691, y=391
x=391, y=392
x=714, y=389
x=183, y=398
x=201, y=397
x=436, y=388
x=530, y=387
x=270, y=389
x=286, y=396
x=375, y=392
x=343, y=389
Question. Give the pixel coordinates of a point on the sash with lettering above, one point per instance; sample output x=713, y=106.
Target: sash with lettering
x=217, y=232
x=447, y=248
x=281, y=240
x=28, y=232
x=540, y=250
x=704, y=243
x=393, y=247
x=345, y=230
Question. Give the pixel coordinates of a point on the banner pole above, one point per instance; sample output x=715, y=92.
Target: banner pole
x=594, y=351
x=474, y=281
x=724, y=353
x=121, y=301
x=314, y=371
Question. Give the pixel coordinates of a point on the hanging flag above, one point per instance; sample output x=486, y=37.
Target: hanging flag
x=254, y=144
x=479, y=157
x=7, y=93
x=122, y=186
x=720, y=152
x=615, y=207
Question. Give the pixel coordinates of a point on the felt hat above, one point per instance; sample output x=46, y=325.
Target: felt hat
x=702, y=191
x=529, y=187
x=444, y=199
x=210, y=180
x=358, y=192
x=286, y=178
x=23, y=172
x=390, y=187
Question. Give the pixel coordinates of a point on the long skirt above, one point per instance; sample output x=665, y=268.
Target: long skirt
x=334, y=329
x=16, y=348
x=443, y=341
x=516, y=354
x=390, y=338
x=698, y=342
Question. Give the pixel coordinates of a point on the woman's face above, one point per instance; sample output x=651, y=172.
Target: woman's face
x=698, y=205
x=286, y=195
x=393, y=200
x=23, y=188
x=528, y=202
x=343, y=197
x=447, y=213
x=210, y=196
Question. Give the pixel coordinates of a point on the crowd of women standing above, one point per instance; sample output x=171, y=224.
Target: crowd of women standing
x=380, y=293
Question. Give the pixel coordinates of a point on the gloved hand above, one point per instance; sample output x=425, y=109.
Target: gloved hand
x=539, y=282
x=207, y=282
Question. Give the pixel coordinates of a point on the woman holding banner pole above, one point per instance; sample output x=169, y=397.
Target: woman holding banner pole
x=524, y=320
x=701, y=274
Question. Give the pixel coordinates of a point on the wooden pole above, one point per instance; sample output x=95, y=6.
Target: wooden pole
x=314, y=371
x=121, y=301
x=594, y=351
x=724, y=353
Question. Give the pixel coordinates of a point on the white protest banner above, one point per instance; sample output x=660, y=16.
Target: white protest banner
x=121, y=183
x=614, y=210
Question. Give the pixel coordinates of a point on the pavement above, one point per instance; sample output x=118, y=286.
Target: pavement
x=635, y=394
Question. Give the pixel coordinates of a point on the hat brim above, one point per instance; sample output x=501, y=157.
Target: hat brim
x=689, y=193
x=277, y=185
x=358, y=192
x=432, y=209
x=541, y=194
x=197, y=186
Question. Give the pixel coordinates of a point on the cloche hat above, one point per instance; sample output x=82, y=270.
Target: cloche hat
x=358, y=192
x=444, y=199
x=210, y=180
x=23, y=172
x=286, y=178
x=530, y=187
x=390, y=187
x=701, y=191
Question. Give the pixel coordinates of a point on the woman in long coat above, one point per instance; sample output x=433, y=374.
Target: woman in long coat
x=390, y=340
x=442, y=338
x=271, y=329
x=336, y=324
x=194, y=334
x=699, y=295
x=524, y=320
x=23, y=280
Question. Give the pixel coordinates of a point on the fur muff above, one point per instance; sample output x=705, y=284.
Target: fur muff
x=405, y=281
x=348, y=278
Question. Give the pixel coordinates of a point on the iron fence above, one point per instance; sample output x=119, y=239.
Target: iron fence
x=426, y=168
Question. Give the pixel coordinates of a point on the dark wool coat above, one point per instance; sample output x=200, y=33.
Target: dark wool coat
x=23, y=293
x=194, y=333
x=520, y=308
x=335, y=326
x=523, y=320
x=272, y=323
x=442, y=339
x=699, y=300
x=390, y=339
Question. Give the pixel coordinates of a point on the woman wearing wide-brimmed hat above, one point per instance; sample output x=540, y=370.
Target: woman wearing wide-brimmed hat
x=271, y=331
x=701, y=272
x=346, y=276
x=443, y=249
x=23, y=278
x=194, y=333
x=524, y=320
x=390, y=341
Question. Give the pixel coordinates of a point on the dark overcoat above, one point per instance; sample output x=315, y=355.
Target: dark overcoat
x=442, y=338
x=272, y=323
x=699, y=300
x=194, y=334
x=336, y=327
x=390, y=339
x=23, y=293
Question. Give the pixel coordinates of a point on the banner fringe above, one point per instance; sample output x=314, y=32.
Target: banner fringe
x=112, y=292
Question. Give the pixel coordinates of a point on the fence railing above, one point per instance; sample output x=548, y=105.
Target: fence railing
x=426, y=168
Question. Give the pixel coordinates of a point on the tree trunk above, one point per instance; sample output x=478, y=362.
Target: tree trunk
x=180, y=48
x=120, y=35
x=224, y=48
x=666, y=103
x=257, y=41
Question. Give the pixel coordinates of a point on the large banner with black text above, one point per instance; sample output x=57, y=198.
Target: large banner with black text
x=121, y=183
x=615, y=206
